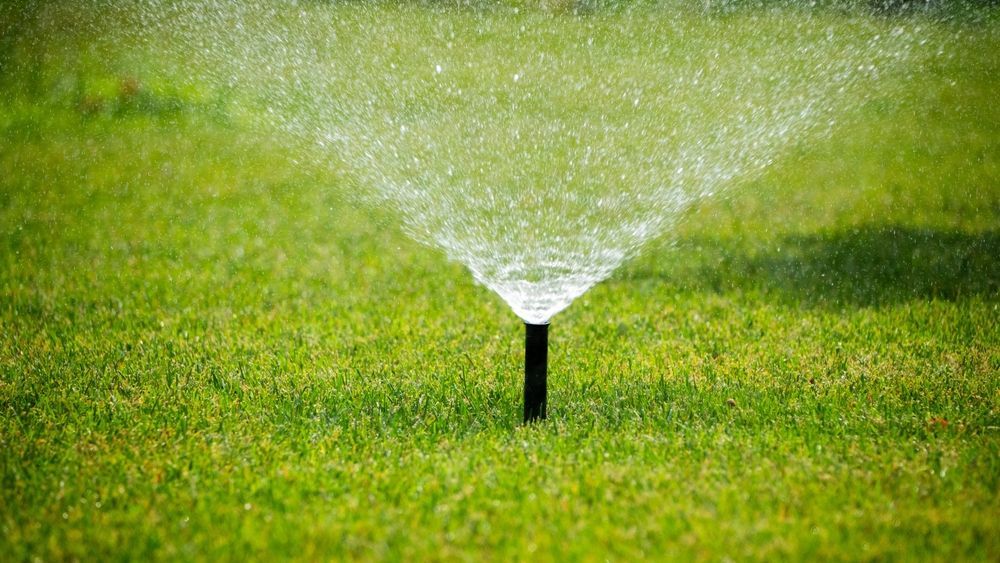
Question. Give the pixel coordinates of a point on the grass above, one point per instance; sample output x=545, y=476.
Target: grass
x=206, y=353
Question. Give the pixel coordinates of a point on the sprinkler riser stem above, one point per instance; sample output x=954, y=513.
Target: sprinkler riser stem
x=536, y=360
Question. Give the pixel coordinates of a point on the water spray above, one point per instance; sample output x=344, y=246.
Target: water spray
x=536, y=360
x=645, y=138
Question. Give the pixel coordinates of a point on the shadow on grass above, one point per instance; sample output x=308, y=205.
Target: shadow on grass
x=867, y=266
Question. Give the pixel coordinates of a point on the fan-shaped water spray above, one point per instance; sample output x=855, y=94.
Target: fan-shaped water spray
x=541, y=170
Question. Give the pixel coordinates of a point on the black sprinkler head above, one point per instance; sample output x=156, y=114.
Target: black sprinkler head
x=536, y=359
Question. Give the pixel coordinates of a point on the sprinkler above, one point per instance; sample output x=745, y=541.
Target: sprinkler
x=536, y=359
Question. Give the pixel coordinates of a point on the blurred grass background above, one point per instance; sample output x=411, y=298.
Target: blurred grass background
x=206, y=353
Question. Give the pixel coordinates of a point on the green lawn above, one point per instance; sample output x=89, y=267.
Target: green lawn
x=209, y=351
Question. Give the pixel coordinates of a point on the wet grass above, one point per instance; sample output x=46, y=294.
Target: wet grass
x=206, y=354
